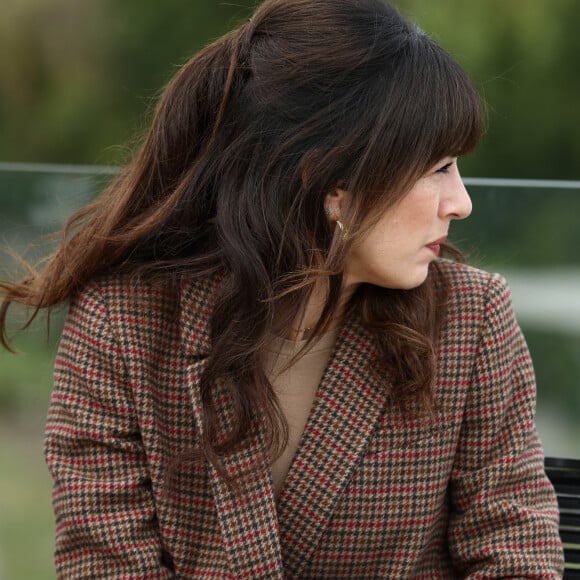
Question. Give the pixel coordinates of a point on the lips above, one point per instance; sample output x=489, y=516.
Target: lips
x=435, y=246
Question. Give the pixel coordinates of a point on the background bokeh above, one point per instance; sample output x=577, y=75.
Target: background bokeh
x=78, y=77
x=78, y=83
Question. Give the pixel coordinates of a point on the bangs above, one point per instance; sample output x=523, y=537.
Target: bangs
x=429, y=109
x=453, y=108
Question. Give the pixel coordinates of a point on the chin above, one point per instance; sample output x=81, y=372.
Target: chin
x=401, y=284
x=406, y=280
x=414, y=281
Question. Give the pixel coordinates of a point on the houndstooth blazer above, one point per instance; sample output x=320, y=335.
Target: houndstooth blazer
x=370, y=493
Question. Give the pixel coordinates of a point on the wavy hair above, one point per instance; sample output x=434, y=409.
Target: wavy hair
x=246, y=141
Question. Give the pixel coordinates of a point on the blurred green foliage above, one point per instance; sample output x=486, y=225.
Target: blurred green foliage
x=80, y=77
x=26, y=525
x=25, y=382
x=79, y=80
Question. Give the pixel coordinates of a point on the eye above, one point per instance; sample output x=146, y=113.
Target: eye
x=445, y=168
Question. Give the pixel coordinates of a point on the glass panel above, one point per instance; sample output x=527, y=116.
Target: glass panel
x=528, y=231
x=36, y=199
x=33, y=202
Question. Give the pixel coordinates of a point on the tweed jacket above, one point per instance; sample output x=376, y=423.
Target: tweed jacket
x=371, y=493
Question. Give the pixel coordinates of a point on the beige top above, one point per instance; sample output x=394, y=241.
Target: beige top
x=296, y=388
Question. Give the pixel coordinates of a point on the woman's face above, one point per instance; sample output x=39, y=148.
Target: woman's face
x=397, y=250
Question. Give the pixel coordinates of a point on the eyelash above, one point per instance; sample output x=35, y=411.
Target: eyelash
x=445, y=168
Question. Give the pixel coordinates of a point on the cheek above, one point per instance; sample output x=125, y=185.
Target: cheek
x=401, y=228
x=386, y=240
x=420, y=207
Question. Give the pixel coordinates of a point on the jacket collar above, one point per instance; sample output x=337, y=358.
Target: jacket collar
x=259, y=535
x=348, y=404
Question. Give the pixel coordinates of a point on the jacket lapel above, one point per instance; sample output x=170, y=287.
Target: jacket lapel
x=348, y=405
x=248, y=521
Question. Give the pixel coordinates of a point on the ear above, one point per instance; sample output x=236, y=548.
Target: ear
x=335, y=203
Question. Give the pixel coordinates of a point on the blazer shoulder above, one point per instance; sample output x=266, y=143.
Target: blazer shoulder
x=125, y=294
x=149, y=313
x=472, y=292
x=462, y=279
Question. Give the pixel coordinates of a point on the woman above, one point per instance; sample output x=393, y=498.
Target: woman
x=266, y=370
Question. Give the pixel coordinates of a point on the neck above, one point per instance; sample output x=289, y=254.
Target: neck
x=306, y=321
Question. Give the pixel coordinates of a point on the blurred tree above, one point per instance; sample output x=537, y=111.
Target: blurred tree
x=523, y=56
x=79, y=77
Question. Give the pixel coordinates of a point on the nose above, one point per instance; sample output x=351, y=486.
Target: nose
x=455, y=202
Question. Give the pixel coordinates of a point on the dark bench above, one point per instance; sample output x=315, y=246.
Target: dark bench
x=565, y=477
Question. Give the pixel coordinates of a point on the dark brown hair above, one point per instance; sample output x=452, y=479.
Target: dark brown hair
x=246, y=141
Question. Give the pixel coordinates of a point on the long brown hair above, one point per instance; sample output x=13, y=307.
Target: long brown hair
x=246, y=141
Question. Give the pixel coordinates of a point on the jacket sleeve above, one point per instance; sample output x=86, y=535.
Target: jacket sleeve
x=503, y=511
x=106, y=524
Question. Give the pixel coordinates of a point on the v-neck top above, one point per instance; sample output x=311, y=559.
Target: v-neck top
x=296, y=388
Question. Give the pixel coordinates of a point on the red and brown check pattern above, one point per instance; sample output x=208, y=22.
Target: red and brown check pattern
x=370, y=494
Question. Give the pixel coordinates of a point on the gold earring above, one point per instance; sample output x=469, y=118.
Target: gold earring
x=342, y=230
